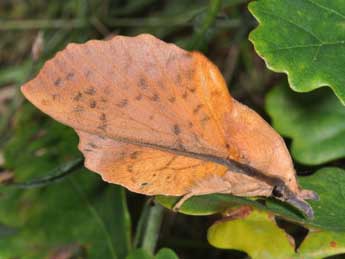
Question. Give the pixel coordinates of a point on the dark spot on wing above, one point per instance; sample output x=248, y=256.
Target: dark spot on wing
x=103, y=120
x=103, y=117
x=192, y=89
x=168, y=177
x=93, y=104
x=178, y=79
x=185, y=95
x=90, y=91
x=55, y=96
x=142, y=83
x=197, y=108
x=58, y=82
x=139, y=97
x=215, y=93
x=134, y=155
x=172, y=99
x=154, y=97
x=205, y=118
x=122, y=103
x=78, y=109
x=70, y=76
x=130, y=168
x=227, y=146
x=87, y=150
x=93, y=145
x=103, y=100
x=176, y=129
x=44, y=102
x=151, y=117
x=190, y=124
x=143, y=184
x=78, y=96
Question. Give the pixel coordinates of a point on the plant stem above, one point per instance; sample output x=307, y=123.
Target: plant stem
x=113, y=22
x=139, y=232
x=153, y=226
x=208, y=21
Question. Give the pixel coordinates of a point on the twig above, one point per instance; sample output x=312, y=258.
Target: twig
x=57, y=174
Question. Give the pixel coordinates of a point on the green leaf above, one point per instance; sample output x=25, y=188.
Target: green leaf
x=166, y=253
x=258, y=235
x=75, y=216
x=305, y=39
x=320, y=244
x=253, y=235
x=79, y=212
x=315, y=123
x=139, y=254
x=328, y=183
x=206, y=204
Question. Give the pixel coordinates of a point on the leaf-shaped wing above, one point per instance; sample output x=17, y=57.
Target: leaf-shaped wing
x=143, y=95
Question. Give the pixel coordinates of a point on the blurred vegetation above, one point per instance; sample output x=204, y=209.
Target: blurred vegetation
x=52, y=207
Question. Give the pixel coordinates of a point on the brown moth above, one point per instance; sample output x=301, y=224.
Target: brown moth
x=159, y=120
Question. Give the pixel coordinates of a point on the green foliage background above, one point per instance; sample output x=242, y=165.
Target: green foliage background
x=50, y=206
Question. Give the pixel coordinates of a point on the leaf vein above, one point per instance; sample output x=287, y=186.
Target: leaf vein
x=327, y=9
x=295, y=24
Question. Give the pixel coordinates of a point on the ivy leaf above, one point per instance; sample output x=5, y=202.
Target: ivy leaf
x=328, y=183
x=292, y=39
x=318, y=114
x=253, y=235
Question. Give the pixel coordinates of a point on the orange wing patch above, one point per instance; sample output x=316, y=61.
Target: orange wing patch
x=159, y=120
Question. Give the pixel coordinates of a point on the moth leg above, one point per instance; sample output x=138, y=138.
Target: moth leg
x=185, y=197
x=213, y=184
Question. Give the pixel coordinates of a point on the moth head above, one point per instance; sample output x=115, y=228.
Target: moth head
x=283, y=193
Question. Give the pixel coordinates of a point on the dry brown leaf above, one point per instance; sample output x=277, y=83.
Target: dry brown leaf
x=6, y=177
x=159, y=120
x=6, y=94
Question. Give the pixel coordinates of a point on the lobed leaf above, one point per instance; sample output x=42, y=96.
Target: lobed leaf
x=315, y=122
x=291, y=39
x=254, y=234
